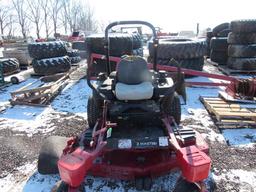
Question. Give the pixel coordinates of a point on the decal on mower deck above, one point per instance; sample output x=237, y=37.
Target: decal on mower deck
x=139, y=143
x=124, y=143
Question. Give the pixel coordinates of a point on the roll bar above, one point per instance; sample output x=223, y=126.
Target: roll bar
x=155, y=40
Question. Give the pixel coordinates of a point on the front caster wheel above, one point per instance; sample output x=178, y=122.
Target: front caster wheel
x=61, y=186
x=184, y=186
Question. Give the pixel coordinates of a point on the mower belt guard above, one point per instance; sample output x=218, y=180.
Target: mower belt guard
x=74, y=166
x=195, y=164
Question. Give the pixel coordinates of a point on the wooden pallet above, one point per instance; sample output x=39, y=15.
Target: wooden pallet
x=228, y=71
x=229, y=115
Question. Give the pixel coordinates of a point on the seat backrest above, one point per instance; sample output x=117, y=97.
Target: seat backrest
x=133, y=70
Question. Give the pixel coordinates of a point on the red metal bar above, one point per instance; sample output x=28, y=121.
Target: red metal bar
x=190, y=83
x=173, y=69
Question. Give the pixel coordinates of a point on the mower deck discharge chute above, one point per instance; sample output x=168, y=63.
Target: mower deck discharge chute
x=134, y=134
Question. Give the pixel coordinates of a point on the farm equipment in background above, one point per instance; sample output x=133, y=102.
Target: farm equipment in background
x=133, y=133
x=76, y=36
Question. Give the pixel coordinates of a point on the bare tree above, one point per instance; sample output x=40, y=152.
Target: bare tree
x=19, y=7
x=44, y=4
x=34, y=15
x=4, y=17
x=71, y=12
x=11, y=28
x=86, y=20
x=55, y=8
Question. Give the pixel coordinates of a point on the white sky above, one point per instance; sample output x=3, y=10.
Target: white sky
x=175, y=15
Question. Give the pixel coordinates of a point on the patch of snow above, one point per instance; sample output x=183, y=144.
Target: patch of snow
x=73, y=99
x=10, y=183
x=246, y=179
x=5, y=92
x=28, y=119
x=240, y=137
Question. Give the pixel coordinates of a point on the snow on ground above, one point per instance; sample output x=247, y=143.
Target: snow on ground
x=245, y=179
x=73, y=99
x=240, y=137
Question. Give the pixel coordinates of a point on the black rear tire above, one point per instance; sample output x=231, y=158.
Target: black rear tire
x=50, y=153
x=93, y=111
x=175, y=108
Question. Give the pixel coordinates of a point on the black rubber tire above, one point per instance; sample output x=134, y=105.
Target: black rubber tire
x=50, y=153
x=44, y=50
x=139, y=183
x=184, y=186
x=120, y=43
x=10, y=65
x=219, y=28
x=63, y=187
x=195, y=64
x=175, y=109
x=75, y=59
x=219, y=57
x=242, y=38
x=93, y=110
x=245, y=51
x=179, y=49
x=243, y=26
x=242, y=63
x=73, y=53
x=224, y=33
x=219, y=44
x=51, y=66
x=79, y=45
x=147, y=183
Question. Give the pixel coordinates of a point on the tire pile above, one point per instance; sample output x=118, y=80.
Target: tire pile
x=49, y=57
x=80, y=46
x=9, y=65
x=187, y=52
x=242, y=45
x=119, y=44
x=217, y=43
x=74, y=56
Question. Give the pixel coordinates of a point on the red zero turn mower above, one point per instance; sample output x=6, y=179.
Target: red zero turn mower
x=133, y=132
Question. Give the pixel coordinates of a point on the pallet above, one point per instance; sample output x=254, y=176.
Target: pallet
x=43, y=90
x=228, y=71
x=229, y=114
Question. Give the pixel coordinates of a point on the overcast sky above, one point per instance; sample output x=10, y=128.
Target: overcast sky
x=175, y=15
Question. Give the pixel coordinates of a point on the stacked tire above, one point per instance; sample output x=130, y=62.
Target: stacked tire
x=49, y=57
x=74, y=56
x=187, y=53
x=218, y=44
x=119, y=44
x=9, y=65
x=242, y=45
x=80, y=46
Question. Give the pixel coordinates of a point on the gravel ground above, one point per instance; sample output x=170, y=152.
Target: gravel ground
x=21, y=138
